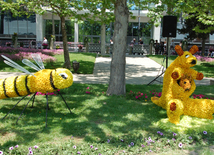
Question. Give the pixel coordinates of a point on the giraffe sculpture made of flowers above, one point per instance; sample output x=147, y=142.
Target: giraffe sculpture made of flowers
x=175, y=97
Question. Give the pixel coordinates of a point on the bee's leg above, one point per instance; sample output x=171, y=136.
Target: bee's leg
x=14, y=107
x=65, y=102
x=25, y=107
x=33, y=101
x=46, y=110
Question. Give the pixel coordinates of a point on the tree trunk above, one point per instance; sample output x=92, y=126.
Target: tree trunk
x=203, y=46
x=103, y=40
x=117, y=84
x=65, y=44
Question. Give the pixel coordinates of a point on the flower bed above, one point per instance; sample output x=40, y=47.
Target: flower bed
x=25, y=53
x=201, y=58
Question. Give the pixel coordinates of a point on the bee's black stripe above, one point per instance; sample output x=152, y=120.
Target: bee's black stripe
x=16, y=90
x=5, y=92
x=28, y=90
x=51, y=81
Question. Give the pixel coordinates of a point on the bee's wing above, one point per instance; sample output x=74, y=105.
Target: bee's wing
x=38, y=60
x=15, y=65
x=30, y=64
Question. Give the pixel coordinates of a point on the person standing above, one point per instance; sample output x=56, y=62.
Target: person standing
x=157, y=47
x=180, y=44
x=132, y=44
x=172, y=46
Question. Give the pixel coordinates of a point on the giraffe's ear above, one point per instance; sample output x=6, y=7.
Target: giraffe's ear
x=179, y=50
x=193, y=49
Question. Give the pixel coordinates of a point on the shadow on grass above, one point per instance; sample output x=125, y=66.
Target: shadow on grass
x=95, y=118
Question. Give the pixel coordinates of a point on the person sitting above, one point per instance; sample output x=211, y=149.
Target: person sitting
x=212, y=54
x=133, y=42
x=45, y=43
x=140, y=42
x=210, y=51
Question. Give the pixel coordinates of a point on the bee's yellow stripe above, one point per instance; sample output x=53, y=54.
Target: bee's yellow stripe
x=21, y=87
x=26, y=85
x=15, y=87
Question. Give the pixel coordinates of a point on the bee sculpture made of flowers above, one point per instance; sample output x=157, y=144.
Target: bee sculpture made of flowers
x=45, y=81
x=175, y=94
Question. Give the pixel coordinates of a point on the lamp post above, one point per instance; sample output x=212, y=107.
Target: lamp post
x=139, y=21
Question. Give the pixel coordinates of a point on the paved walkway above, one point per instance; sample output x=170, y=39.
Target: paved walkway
x=139, y=70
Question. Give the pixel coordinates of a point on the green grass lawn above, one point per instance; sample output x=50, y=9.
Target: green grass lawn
x=99, y=124
x=204, y=67
x=86, y=61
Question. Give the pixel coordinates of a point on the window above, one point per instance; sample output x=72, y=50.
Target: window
x=21, y=25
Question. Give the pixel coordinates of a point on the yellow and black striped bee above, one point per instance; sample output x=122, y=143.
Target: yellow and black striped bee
x=45, y=81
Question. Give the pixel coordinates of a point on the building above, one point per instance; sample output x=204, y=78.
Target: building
x=36, y=27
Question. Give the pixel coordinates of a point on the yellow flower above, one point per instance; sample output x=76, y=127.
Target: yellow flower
x=174, y=98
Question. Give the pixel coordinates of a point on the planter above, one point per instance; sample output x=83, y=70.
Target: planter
x=45, y=47
x=75, y=65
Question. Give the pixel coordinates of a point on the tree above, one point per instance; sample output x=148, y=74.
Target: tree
x=157, y=9
x=201, y=13
x=101, y=12
x=203, y=10
x=189, y=26
x=102, y=15
x=61, y=8
x=117, y=84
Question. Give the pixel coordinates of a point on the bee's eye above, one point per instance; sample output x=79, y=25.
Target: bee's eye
x=187, y=56
x=63, y=75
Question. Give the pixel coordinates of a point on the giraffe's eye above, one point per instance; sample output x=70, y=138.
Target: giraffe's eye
x=63, y=75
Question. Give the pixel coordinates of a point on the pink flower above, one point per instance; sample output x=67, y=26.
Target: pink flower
x=136, y=97
x=87, y=88
x=146, y=96
x=87, y=92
